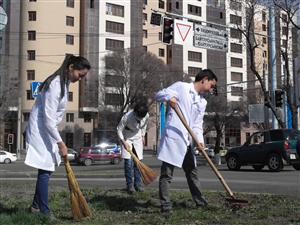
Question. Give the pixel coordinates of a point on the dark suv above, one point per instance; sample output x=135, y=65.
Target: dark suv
x=89, y=155
x=270, y=148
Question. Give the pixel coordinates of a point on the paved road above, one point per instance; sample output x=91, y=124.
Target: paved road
x=17, y=176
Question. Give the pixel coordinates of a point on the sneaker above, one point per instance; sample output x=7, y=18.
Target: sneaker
x=33, y=210
x=130, y=189
x=139, y=189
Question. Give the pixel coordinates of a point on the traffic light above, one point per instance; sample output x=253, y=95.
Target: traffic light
x=167, y=30
x=278, y=98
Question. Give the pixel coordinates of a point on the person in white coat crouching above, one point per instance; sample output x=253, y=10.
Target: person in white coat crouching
x=43, y=141
x=176, y=145
x=131, y=131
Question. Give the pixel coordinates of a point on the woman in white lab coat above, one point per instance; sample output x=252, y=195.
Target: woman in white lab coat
x=131, y=131
x=43, y=141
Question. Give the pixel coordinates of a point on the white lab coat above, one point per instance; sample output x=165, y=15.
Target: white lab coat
x=132, y=131
x=41, y=132
x=175, y=138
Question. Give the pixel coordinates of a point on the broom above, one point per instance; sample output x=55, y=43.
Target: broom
x=79, y=206
x=148, y=175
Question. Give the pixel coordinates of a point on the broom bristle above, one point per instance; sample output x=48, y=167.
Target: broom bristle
x=148, y=175
x=75, y=208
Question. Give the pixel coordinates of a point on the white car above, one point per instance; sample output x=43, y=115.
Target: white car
x=7, y=157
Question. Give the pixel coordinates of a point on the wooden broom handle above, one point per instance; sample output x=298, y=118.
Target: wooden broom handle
x=218, y=174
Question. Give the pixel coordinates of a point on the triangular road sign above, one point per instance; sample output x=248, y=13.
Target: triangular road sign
x=183, y=29
x=183, y=32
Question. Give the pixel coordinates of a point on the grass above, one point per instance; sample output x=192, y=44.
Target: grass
x=111, y=207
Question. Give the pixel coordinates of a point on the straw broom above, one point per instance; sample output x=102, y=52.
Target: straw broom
x=148, y=175
x=79, y=206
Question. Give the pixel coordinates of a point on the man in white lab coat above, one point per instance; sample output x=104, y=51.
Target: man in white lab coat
x=176, y=145
x=131, y=131
x=43, y=142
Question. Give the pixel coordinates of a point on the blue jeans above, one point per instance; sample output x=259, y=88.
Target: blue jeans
x=40, y=200
x=129, y=167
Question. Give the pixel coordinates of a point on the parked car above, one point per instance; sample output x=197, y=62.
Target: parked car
x=7, y=157
x=90, y=155
x=209, y=149
x=270, y=147
x=72, y=154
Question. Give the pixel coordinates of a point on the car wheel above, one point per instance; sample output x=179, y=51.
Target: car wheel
x=87, y=162
x=258, y=167
x=233, y=163
x=7, y=161
x=275, y=163
x=296, y=166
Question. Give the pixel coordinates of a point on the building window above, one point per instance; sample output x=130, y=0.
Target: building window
x=31, y=35
x=69, y=140
x=263, y=16
x=145, y=18
x=236, y=76
x=235, y=33
x=161, y=4
x=1, y=40
x=32, y=15
x=145, y=34
x=195, y=56
x=264, y=40
x=26, y=116
x=161, y=52
x=236, y=62
x=193, y=71
x=114, y=10
x=145, y=2
x=31, y=54
x=177, y=5
x=145, y=48
x=30, y=74
x=113, y=45
x=221, y=15
x=264, y=27
x=284, y=31
x=284, y=18
x=194, y=10
x=32, y=0
x=114, y=81
x=87, y=118
x=160, y=36
x=114, y=27
x=238, y=48
x=87, y=139
x=92, y=4
x=29, y=95
x=265, y=54
x=70, y=96
x=234, y=19
x=235, y=5
x=69, y=39
x=113, y=99
x=236, y=91
x=70, y=3
x=70, y=117
x=70, y=21
x=170, y=6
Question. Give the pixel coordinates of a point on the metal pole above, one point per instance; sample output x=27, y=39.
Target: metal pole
x=19, y=129
x=272, y=40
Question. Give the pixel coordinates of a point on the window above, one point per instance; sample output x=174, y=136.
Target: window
x=160, y=36
x=235, y=19
x=70, y=3
x=145, y=34
x=235, y=5
x=195, y=56
x=1, y=40
x=145, y=2
x=236, y=76
x=238, y=48
x=30, y=74
x=112, y=45
x=29, y=95
x=265, y=54
x=113, y=80
x=87, y=139
x=69, y=140
x=235, y=33
x=31, y=54
x=194, y=10
x=284, y=31
x=32, y=0
x=284, y=18
x=92, y=4
x=31, y=35
x=264, y=40
x=145, y=48
x=114, y=10
x=145, y=18
x=87, y=118
x=264, y=27
x=177, y=5
x=257, y=138
x=26, y=116
x=161, y=52
x=70, y=21
x=32, y=15
x=114, y=27
x=170, y=6
x=193, y=71
x=113, y=99
x=70, y=96
x=161, y=4
x=69, y=39
x=236, y=62
x=70, y=117
x=236, y=91
x=263, y=16
x=221, y=15
x=284, y=43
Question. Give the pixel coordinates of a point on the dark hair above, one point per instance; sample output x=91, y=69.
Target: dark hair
x=141, y=109
x=206, y=73
x=78, y=62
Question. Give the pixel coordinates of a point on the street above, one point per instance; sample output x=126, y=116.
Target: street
x=18, y=176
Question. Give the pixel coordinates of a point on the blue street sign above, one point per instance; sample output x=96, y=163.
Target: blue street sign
x=35, y=88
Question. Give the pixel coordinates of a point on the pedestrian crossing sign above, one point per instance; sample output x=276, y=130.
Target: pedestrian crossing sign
x=35, y=88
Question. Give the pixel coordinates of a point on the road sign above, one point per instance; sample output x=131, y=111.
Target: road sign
x=210, y=38
x=10, y=139
x=183, y=32
x=35, y=88
x=3, y=18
